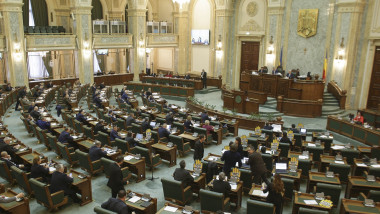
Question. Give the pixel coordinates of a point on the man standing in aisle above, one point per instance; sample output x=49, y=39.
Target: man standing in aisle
x=204, y=78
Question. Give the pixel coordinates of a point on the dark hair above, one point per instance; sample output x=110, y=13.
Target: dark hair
x=182, y=164
x=201, y=136
x=121, y=194
x=119, y=159
x=233, y=147
x=293, y=126
x=36, y=159
x=80, y=110
x=231, y=143
x=263, y=149
x=238, y=139
x=284, y=134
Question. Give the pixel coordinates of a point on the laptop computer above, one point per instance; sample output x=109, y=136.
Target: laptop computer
x=303, y=131
x=281, y=168
x=153, y=124
x=139, y=137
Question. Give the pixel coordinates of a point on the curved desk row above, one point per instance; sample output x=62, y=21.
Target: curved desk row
x=239, y=102
x=368, y=136
x=162, y=89
x=196, y=84
x=7, y=99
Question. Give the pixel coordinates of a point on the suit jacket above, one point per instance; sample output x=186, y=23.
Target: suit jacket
x=99, y=127
x=35, y=114
x=9, y=163
x=169, y=119
x=60, y=181
x=124, y=96
x=184, y=176
x=21, y=94
x=204, y=75
x=198, y=150
x=295, y=131
x=114, y=135
x=162, y=132
x=145, y=126
x=98, y=102
x=81, y=118
x=96, y=153
x=115, y=205
x=38, y=171
x=30, y=109
x=8, y=148
x=285, y=140
x=65, y=137
x=187, y=125
x=115, y=180
x=230, y=159
x=43, y=124
x=256, y=164
x=49, y=85
x=240, y=150
x=130, y=120
x=113, y=118
x=204, y=117
x=221, y=187
x=187, y=77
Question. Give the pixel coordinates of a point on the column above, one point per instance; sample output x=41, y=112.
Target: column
x=82, y=29
x=137, y=27
x=182, y=25
x=14, y=34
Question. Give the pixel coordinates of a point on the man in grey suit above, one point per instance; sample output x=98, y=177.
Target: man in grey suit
x=181, y=174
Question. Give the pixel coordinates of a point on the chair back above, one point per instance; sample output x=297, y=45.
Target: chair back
x=304, y=210
x=350, y=154
x=21, y=178
x=341, y=169
x=289, y=187
x=121, y=123
x=66, y=153
x=88, y=132
x=78, y=126
x=84, y=160
x=136, y=128
x=268, y=160
x=122, y=145
x=330, y=190
x=53, y=143
x=103, y=138
x=284, y=147
x=173, y=189
x=246, y=177
x=254, y=206
x=374, y=171
x=316, y=151
x=41, y=192
x=211, y=201
x=5, y=172
x=305, y=165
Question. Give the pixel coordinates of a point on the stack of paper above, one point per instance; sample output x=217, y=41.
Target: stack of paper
x=134, y=199
x=361, y=165
x=336, y=147
x=171, y=209
x=303, y=157
x=311, y=202
x=339, y=162
x=376, y=166
x=233, y=186
x=259, y=193
x=311, y=144
x=128, y=157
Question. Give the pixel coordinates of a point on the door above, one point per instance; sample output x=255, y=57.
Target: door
x=250, y=52
x=374, y=88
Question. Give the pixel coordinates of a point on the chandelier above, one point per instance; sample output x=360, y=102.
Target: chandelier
x=181, y=2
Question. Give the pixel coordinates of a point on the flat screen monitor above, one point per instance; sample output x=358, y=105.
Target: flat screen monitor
x=102, y=51
x=200, y=37
x=303, y=130
x=139, y=136
x=153, y=124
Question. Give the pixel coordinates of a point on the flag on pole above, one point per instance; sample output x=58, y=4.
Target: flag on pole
x=281, y=57
x=324, y=68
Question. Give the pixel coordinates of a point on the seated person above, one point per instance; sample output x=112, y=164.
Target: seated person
x=80, y=117
x=67, y=102
x=221, y=185
x=61, y=181
x=31, y=107
x=8, y=160
x=43, y=124
x=204, y=117
x=5, y=146
x=181, y=174
x=188, y=124
x=169, y=118
x=151, y=99
x=96, y=152
x=275, y=189
x=163, y=131
x=49, y=85
x=359, y=118
x=267, y=126
x=130, y=119
x=98, y=101
x=187, y=76
x=39, y=171
x=285, y=139
x=37, y=93
x=129, y=138
x=8, y=87
x=118, y=204
x=145, y=125
x=112, y=116
x=66, y=138
x=101, y=85
x=208, y=127
x=35, y=113
x=114, y=134
x=294, y=129
x=99, y=127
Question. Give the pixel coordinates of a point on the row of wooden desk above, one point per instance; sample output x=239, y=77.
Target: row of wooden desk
x=191, y=83
x=162, y=89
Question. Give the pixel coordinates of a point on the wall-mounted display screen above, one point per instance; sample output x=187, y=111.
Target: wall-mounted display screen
x=200, y=37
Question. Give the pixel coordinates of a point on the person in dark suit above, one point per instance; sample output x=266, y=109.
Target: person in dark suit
x=98, y=101
x=80, y=117
x=188, y=124
x=187, y=76
x=4, y=146
x=145, y=125
x=221, y=185
x=117, y=204
x=181, y=174
x=115, y=181
x=37, y=93
x=169, y=118
x=61, y=181
x=112, y=116
x=285, y=139
x=204, y=78
x=65, y=137
x=267, y=126
x=101, y=85
x=198, y=148
x=20, y=95
x=114, y=134
x=43, y=124
x=257, y=165
x=49, y=85
x=208, y=127
x=96, y=152
x=124, y=96
x=230, y=159
x=163, y=131
x=129, y=138
x=275, y=189
x=35, y=114
x=204, y=117
x=67, y=102
x=130, y=119
x=294, y=129
x=39, y=171
x=31, y=107
x=8, y=160
x=99, y=127
x=240, y=149
x=8, y=87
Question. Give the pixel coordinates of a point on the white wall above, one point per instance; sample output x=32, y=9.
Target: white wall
x=165, y=11
x=201, y=20
x=165, y=58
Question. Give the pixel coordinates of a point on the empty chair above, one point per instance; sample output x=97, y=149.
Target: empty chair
x=182, y=147
x=44, y=197
x=67, y=154
x=304, y=210
x=350, y=154
x=268, y=160
x=330, y=190
x=21, y=179
x=342, y=170
x=289, y=187
x=78, y=126
x=305, y=165
x=316, y=151
x=246, y=177
x=297, y=141
x=103, y=138
x=212, y=201
x=121, y=124
x=175, y=191
x=374, y=195
x=260, y=207
x=284, y=147
x=88, y=132
x=150, y=160
x=53, y=143
x=122, y=145
x=374, y=171
x=5, y=172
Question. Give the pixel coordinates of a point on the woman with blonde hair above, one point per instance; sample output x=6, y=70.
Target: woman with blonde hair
x=276, y=190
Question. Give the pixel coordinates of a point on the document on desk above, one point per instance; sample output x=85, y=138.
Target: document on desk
x=376, y=166
x=134, y=199
x=233, y=186
x=361, y=165
x=339, y=162
x=171, y=209
x=260, y=193
x=128, y=157
x=336, y=147
x=311, y=145
x=311, y=202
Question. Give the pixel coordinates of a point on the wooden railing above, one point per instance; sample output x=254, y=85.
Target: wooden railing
x=299, y=108
x=338, y=93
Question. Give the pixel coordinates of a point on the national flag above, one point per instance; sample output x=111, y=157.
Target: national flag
x=324, y=68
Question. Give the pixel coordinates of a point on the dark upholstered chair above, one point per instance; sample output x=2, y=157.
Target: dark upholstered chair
x=92, y=167
x=182, y=147
x=106, y=162
x=175, y=191
x=330, y=190
x=100, y=210
x=21, y=179
x=44, y=197
x=122, y=145
x=67, y=154
x=304, y=210
x=5, y=172
x=212, y=201
x=342, y=170
x=150, y=160
x=260, y=207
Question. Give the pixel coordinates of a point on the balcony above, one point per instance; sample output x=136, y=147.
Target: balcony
x=162, y=40
x=104, y=41
x=50, y=42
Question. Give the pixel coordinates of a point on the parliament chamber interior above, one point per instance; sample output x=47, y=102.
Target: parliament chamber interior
x=190, y=106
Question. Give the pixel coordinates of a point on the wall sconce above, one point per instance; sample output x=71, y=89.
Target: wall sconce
x=219, y=45
x=148, y=51
x=270, y=46
x=341, y=51
x=86, y=47
x=17, y=49
x=141, y=41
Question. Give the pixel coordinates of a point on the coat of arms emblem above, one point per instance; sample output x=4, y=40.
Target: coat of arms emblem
x=307, y=22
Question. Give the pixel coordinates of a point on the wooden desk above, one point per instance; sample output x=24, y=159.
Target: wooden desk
x=257, y=197
x=190, y=138
x=296, y=176
x=162, y=89
x=28, y=158
x=292, y=154
x=235, y=195
x=357, y=184
x=217, y=136
x=359, y=167
x=113, y=79
x=179, y=209
x=233, y=127
x=239, y=101
x=196, y=84
x=136, y=166
x=152, y=208
x=299, y=201
x=199, y=182
x=166, y=153
x=354, y=206
x=84, y=186
x=15, y=207
x=326, y=160
x=364, y=150
x=319, y=177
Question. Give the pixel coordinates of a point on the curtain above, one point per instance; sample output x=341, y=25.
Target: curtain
x=40, y=12
x=97, y=10
x=25, y=12
x=96, y=63
x=36, y=66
